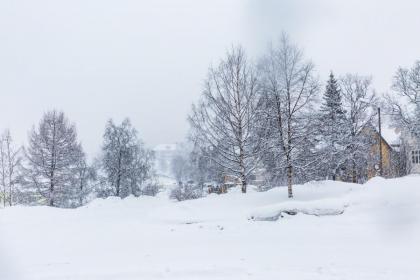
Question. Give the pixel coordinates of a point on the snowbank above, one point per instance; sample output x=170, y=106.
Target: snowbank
x=341, y=231
x=324, y=207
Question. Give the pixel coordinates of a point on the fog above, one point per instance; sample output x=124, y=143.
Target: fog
x=146, y=60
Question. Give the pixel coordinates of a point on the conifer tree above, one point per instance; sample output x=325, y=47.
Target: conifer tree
x=333, y=128
x=52, y=158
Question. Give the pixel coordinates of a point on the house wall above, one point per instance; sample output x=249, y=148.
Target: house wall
x=370, y=168
x=388, y=168
x=411, y=143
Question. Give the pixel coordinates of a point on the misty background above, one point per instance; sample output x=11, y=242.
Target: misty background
x=146, y=60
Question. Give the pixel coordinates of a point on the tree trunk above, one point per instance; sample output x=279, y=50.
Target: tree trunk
x=81, y=190
x=242, y=162
x=288, y=157
x=354, y=174
x=289, y=180
x=118, y=183
x=244, y=184
x=243, y=178
x=51, y=198
x=10, y=196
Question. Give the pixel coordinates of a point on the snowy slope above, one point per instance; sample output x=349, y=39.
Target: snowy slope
x=368, y=232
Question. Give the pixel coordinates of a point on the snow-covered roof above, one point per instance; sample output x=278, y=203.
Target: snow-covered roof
x=391, y=135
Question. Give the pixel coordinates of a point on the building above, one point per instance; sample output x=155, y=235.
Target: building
x=404, y=149
x=164, y=154
x=387, y=162
x=410, y=149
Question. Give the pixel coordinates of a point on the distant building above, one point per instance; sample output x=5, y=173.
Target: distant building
x=163, y=157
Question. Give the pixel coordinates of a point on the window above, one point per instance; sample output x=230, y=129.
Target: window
x=415, y=157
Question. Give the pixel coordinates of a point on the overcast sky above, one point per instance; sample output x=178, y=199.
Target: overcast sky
x=146, y=60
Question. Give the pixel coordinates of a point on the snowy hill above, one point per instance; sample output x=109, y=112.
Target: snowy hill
x=340, y=231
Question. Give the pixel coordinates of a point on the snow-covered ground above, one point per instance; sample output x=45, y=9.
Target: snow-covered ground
x=340, y=231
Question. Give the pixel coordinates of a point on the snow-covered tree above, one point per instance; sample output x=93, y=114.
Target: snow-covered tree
x=52, y=159
x=290, y=87
x=85, y=178
x=225, y=119
x=203, y=167
x=127, y=164
x=359, y=100
x=404, y=104
x=184, y=169
x=9, y=162
x=142, y=175
x=181, y=167
x=333, y=129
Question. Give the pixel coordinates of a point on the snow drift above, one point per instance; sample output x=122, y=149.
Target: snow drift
x=339, y=231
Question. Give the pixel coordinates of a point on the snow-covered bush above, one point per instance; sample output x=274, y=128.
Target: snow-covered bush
x=186, y=192
x=150, y=188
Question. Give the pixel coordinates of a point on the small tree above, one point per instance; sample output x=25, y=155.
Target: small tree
x=181, y=167
x=85, y=175
x=142, y=176
x=203, y=167
x=126, y=162
x=9, y=161
x=52, y=159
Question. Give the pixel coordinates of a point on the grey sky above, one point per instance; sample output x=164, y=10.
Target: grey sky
x=101, y=59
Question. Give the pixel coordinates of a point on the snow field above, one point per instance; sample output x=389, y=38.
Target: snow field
x=340, y=231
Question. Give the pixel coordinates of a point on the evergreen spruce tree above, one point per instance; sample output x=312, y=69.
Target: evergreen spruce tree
x=333, y=129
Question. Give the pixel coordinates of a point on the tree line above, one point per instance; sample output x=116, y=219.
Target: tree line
x=273, y=116
x=270, y=116
x=53, y=169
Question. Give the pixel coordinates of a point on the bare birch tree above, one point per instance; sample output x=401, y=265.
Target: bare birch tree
x=226, y=117
x=404, y=105
x=9, y=161
x=289, y=90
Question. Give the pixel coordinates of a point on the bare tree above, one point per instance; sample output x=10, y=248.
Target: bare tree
x=226, y=117
x=85, y=175
x=359, y=100
x=142, y=175
x=181, y=167
x=9, y=161
x=52, y=158
x=119, y=143
x=404, y=105
x=126, y=162
x=289, y=90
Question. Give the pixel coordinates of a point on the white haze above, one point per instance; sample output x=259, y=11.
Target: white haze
x=146, y=59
